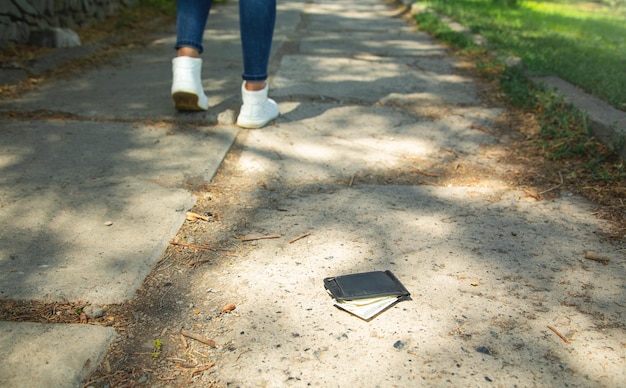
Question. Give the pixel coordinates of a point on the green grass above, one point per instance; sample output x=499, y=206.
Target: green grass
x=564, y=134
x=582, y=42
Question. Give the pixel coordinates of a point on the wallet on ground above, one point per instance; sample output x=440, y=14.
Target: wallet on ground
x=365, y=285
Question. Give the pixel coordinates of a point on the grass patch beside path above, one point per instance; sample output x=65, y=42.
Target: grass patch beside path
x=563, y=151
x=582, y=42
x=564, y=131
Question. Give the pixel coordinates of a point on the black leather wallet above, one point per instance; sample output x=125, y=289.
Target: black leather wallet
x=365, y=285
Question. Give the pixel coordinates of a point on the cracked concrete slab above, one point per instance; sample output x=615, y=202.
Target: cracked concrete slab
x=89, y=207
x=46, y=355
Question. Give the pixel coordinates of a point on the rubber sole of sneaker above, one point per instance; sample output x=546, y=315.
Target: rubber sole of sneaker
x=186, y=101
x=250, y=124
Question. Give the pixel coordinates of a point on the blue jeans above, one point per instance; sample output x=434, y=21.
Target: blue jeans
x=256, y=24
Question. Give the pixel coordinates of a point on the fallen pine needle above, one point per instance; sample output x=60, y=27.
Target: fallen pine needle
x=191, y=216
x=107, y=376
x=564, y=338
x=241, y=354
x=199, y=338
x=596, y=257
x=203, y=247
x=428, y=174
x=554, y=187
x=293, y=240
x=480, y=128
x=202, y=368
x=184, y=341
x=185, y=366
x=201, y=354
x=252, y=238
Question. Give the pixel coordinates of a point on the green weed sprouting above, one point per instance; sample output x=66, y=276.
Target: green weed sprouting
x=157, y=348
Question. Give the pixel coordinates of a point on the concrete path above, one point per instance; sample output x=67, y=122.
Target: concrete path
x=94, y=188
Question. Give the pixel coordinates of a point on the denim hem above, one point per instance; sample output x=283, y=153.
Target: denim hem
x=189, y=43
x=253, y=78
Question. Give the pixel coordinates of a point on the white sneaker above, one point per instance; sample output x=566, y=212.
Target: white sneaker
x=257, y=110
x=187, y=91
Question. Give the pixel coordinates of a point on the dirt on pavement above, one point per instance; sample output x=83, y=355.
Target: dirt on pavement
x=152, y=351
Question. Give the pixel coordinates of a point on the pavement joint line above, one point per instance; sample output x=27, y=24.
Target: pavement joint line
x=58, y=115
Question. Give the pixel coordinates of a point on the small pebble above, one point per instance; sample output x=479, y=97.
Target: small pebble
x=483, y=350
x=399, y=345
x=108, y=223
x=94, y=311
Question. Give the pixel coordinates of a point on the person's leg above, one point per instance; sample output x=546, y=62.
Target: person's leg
x=191, y=18
x=256, y=21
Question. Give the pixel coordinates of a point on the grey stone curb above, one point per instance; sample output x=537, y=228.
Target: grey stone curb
x=606, y=123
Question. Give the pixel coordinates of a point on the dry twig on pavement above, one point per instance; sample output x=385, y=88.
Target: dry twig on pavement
x=564, y=338
x=199, y=338
x=265, y=237
x=293, y=240
x=596, y=257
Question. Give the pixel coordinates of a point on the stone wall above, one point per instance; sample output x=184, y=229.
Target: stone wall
x=50, y=23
